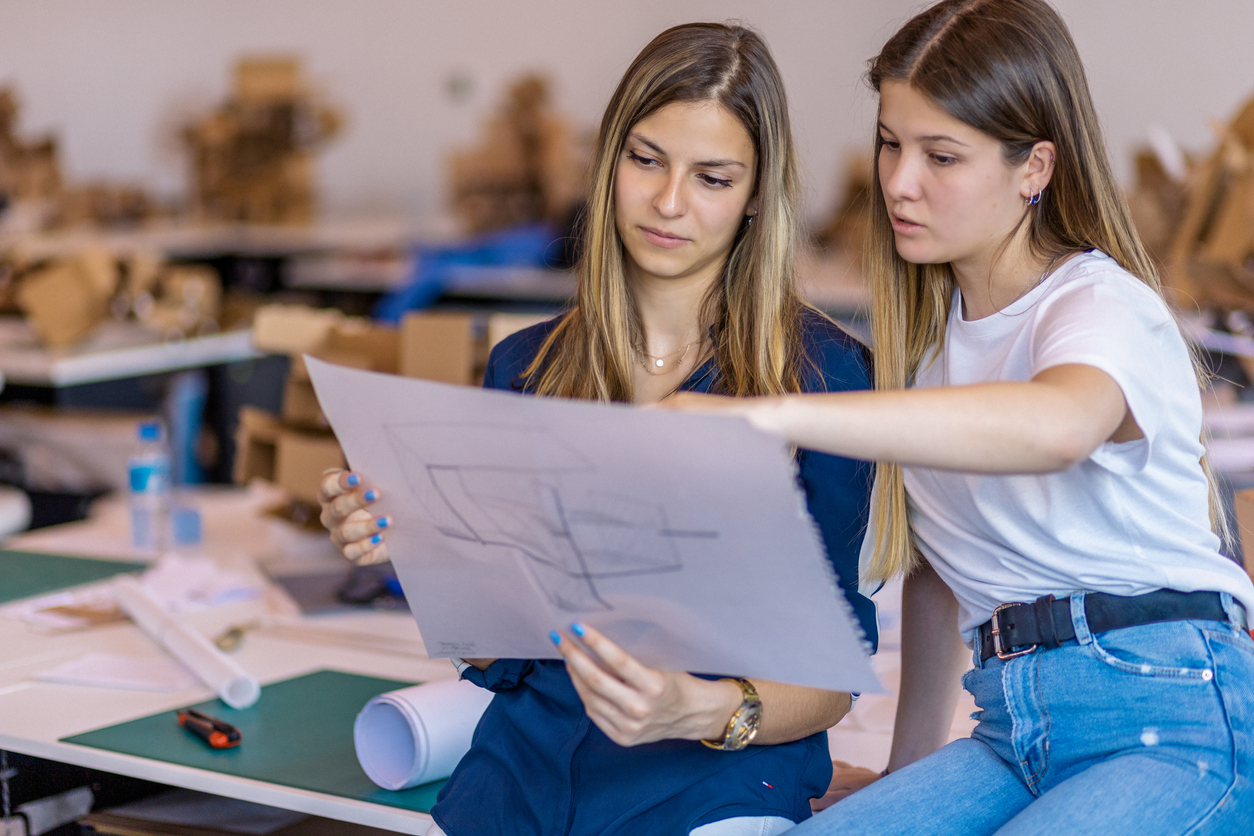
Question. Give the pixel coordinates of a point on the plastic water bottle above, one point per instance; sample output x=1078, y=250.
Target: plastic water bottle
x=149, y=470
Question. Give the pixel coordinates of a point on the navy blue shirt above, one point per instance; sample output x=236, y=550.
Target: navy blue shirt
x=537, y=763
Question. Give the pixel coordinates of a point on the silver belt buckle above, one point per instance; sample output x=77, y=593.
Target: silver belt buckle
x=1001, y=652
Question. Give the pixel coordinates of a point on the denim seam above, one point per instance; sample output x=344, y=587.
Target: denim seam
x=1047, y=720
x=1185, y=675
x=1232, y=742
x=1231, y=641
x=1190, y=676
x=1035, y=778
x=1018, y=722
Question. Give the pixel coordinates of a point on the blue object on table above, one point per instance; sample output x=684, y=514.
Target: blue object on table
x=186, y=526
x=185, y=406
x=528, y=245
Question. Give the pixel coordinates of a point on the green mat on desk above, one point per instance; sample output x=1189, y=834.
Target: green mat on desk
x=299, y=734
x=26, y=574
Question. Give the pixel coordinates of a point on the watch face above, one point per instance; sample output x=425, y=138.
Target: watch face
x=748, y=727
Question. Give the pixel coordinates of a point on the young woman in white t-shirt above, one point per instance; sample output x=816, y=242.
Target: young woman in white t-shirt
x=1037, y=431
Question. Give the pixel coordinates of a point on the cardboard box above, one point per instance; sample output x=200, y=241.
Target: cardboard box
x=1244, y=504
x=268, y=79
x=300, y=459
x=62, y=302
x=362, y=345
x=501, y=325
x=292, y=329
x=256, y=438
x=440, y=346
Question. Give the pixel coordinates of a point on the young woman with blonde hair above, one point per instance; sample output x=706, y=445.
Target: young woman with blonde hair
x=685, y=284
x=1041, y=479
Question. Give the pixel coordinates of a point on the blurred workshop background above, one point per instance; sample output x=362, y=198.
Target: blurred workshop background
x=194, y=193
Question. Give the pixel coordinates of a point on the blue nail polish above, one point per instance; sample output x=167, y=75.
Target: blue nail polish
x=353, y=480
x=377, y=539
x=577, y=629
x=555, y=637
x=372, y=495
x=383, y=522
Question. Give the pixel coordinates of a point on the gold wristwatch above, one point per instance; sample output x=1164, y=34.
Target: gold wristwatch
x=743, y=725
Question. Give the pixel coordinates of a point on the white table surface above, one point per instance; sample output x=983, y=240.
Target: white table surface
x=114, y=350
x=189, y=239
x=35, y=715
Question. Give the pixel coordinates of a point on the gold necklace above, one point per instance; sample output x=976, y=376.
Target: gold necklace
x=1035, y=282
x=660, y=362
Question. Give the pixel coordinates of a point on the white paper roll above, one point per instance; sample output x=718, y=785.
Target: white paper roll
x=417, y=735
x=232, y=683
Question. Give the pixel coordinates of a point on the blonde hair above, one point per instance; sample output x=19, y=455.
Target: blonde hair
x=755, y=309
x=1010, y=69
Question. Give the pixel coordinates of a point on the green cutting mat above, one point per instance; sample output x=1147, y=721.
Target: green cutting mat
x=299, y=734
x=25, y=574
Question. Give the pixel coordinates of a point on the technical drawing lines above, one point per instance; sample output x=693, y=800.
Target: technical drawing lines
x=567, y=544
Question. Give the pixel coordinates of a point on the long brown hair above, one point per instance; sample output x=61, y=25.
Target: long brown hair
x=755, y=309
x=1010, y=69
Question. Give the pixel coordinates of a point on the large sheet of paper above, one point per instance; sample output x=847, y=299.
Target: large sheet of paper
x=685, y=538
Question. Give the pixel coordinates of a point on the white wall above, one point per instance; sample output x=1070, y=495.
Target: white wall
x=114, y=78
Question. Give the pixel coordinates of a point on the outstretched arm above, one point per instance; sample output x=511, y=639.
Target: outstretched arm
x=1047, y=424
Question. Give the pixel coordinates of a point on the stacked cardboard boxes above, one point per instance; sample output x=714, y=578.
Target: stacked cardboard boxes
x=1210, y=261
x=529, y=165
x=294, y=449
x=252, y=158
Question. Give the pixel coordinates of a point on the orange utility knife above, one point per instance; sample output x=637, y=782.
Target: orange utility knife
x=213, y=731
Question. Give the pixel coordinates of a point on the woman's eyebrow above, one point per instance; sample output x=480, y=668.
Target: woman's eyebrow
x=657, y=149
x=931, y=137
x=943, y=138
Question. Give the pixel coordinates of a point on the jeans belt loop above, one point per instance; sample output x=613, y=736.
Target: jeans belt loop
x=1235, y=611
x=1079, y=619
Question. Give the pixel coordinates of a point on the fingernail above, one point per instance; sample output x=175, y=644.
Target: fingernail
x=353, y=480
x=372, y=495
x=577, y=629
x=383, y=522
x=377, y=539
x=555, y=637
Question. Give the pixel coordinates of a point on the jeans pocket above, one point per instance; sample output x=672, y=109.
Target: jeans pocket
x=1174, y=650
x=1234, y=638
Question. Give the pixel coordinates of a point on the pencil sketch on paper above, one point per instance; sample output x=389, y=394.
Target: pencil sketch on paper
x=510, y=489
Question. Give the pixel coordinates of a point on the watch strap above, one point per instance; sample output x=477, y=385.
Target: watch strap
x=743, y=725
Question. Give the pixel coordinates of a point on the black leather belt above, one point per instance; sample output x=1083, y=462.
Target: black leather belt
x=1016, y=629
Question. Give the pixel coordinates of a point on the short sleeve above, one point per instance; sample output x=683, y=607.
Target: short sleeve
x=1116, y=324
x=501, y=675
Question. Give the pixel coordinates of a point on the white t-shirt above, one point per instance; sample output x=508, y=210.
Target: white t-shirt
x=1130, y=519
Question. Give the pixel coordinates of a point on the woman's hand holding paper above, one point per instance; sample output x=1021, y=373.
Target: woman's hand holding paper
x=634, y=704
x=354, y=530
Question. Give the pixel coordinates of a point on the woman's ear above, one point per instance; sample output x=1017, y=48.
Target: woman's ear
x=1039, y=169
x=751, y=210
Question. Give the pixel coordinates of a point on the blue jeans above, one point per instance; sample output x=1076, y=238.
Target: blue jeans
x=1143, y=730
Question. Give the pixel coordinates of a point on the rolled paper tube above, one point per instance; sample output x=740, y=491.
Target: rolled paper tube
x=417, y=735
x=232, y=683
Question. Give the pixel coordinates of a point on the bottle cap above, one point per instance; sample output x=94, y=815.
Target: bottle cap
x=150, y=431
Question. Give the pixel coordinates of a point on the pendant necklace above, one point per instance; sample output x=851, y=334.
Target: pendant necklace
x=657, y=365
